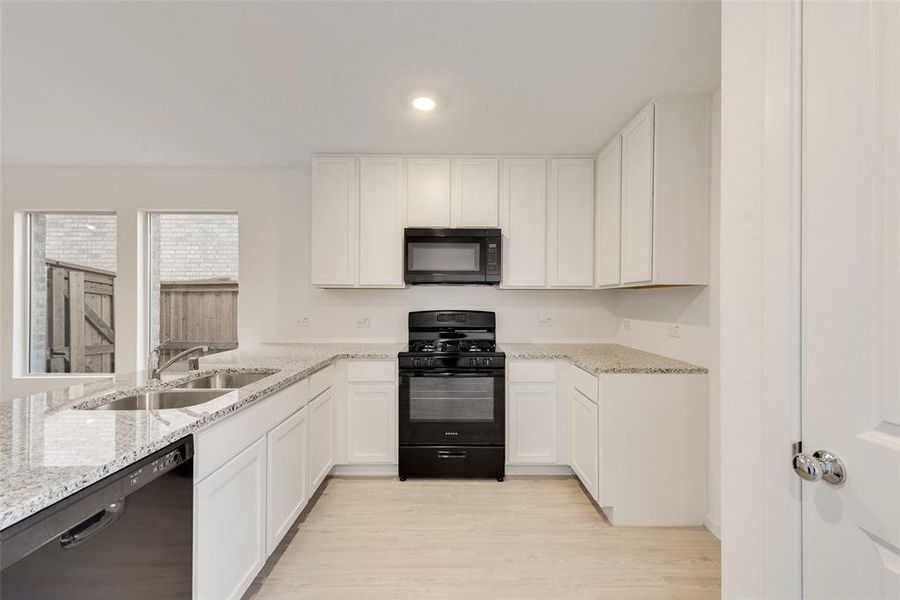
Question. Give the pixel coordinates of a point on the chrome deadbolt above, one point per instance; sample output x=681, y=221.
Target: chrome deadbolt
x=821, y=465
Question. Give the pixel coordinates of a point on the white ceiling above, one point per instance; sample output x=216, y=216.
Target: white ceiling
x=267, y=83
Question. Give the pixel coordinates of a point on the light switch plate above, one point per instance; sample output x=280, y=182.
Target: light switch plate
x=363, y=323
x=674, y=330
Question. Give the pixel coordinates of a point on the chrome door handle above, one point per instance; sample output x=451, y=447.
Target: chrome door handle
x=821, y=465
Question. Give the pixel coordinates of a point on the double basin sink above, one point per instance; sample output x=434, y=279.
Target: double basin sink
x=190, y=393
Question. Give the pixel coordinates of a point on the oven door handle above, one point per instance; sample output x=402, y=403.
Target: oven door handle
x=485, y=373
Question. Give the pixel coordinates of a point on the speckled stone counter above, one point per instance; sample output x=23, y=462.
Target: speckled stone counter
x=50, y=448
x=601, y=358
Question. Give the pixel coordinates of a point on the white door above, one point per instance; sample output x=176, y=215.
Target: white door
x=523, y=220
x=230, y=532
x=585, y=452
x=637, y=198
x=570, y=239
x=335, y=218
x=380, y=222
x=286, y=476
x=372, y=423
x=851, y=297
x=533, y=430
x=320, y=457
x=474, y=192
x=428, y=192
x=608, y=190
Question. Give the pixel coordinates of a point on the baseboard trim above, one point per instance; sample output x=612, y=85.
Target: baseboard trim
x=513, y=470
x=364, y=470
x=713, y=527
x=391, y=470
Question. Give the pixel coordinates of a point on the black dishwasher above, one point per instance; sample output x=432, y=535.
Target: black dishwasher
x=128, y=536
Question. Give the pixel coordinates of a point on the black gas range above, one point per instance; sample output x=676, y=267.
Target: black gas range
x=452, y=397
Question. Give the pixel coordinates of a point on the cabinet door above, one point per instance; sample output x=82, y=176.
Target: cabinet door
x=474, y=192
x=533, y=427
x=380, y=222
x=285, y=477
x=608, y=187
x=570, y=241
x=321, y=439
x=637, y=198
x=523, y=219
x=230, y=532
x=372, y=423
x=428, y=189
x=584, y=434
x=335, y=221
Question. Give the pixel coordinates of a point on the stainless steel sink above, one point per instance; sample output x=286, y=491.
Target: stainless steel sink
x=223, y=381
x=173, y=398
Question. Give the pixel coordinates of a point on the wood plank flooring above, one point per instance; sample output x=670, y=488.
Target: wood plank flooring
x=526, y=538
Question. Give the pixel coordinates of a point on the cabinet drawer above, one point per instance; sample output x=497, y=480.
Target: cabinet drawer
x=531, y=371
x=584, y=382
x=370, y=370
x=320, y=381
x=220, y=442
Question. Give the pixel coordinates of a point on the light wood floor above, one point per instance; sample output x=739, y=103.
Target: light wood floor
x=526, y=538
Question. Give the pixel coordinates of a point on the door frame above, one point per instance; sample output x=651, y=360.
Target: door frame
x=760, y=299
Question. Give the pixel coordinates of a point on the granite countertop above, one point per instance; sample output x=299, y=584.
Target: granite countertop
x=50, y=449
x=601, y=358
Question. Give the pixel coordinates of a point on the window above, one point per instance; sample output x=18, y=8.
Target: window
x=72, y=274
x=193, y=281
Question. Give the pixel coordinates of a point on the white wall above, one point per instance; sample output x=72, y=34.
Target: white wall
x=650, y=313
x=274, y=209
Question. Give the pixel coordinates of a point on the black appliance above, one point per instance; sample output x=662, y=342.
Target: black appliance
x=451, y=255
x=128, y=536
x=452, y=397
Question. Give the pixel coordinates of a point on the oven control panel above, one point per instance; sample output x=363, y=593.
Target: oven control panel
x=452, y=361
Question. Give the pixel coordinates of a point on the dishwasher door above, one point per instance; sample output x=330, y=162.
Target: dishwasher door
x=128, y=536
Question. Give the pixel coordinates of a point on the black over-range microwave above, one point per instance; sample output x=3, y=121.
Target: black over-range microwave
x=451, y=255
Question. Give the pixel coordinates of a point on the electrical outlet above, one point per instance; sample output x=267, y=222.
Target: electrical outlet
x=302, y=322
x=363, y=323
x=626, y=324
x=545, y=322
x=674, y=330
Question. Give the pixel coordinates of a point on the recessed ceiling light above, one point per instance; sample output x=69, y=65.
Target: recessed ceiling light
x=424, y=103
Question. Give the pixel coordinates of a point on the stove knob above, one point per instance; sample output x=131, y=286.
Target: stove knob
x=486, y=362
x=473, y=362
x=417, y=362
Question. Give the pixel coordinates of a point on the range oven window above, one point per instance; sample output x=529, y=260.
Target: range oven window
x=445, y=399
x=444, y=256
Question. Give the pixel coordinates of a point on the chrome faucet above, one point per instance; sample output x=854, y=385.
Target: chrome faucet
x=156, y=370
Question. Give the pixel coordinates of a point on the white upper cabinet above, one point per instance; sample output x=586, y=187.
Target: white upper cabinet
x=570, y=225
x=637, y=199
x=608, y=190
x=381, y=193
x=665, y=194
x=474, y=192
x=428, y=188
x=523, y=220
x=335, y=221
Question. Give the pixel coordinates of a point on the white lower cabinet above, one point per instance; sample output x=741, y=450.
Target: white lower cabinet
x=230, y=534
x=532, y=436
x=286, y=476
x=321, y=439
x=585, y=439
x=371, y=423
